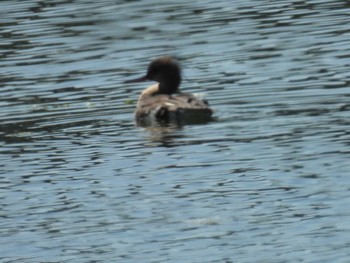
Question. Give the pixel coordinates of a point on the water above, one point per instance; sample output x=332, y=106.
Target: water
x=267, y=181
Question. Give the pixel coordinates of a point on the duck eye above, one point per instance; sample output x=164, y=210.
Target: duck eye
x=150, y=73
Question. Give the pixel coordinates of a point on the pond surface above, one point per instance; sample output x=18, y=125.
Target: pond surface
x=267, y=181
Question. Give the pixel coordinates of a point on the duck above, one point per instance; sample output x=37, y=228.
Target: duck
x=163, y=102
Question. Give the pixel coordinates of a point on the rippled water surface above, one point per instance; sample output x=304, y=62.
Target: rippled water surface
x=267, y=181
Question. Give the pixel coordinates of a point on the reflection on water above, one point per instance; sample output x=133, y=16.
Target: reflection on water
x=269, y=176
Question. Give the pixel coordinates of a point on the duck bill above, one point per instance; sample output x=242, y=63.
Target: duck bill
x=144, y=78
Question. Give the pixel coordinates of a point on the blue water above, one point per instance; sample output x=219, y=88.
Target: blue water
x=266, y=181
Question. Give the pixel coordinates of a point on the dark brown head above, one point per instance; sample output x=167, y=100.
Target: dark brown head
x=166, y=71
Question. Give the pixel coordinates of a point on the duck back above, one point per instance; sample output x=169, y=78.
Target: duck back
x=184, y=108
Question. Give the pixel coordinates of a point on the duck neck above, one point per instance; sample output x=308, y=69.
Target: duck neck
x=169, y=87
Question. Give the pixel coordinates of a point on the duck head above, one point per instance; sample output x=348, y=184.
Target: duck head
x=166, y=71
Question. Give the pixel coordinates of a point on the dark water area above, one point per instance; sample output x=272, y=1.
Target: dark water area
x=266, y=181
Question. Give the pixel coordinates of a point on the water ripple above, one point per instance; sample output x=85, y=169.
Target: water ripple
x=268, y=176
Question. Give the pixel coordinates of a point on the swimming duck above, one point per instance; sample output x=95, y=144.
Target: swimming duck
x=163, y=101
